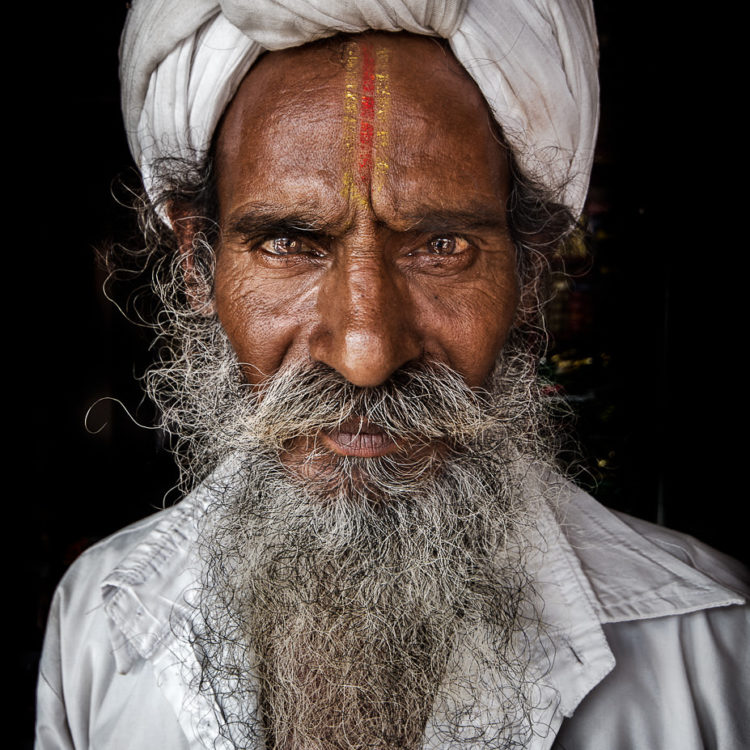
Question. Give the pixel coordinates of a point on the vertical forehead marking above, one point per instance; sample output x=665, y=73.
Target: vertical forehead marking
x=366, y=117
x=382, y=113
x=366, y=106
x=351, y=65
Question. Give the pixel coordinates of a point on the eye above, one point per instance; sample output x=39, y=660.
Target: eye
x=447, y=245
x=443, y=246
x=285, y=246
x=441, y=254
x=287, y=250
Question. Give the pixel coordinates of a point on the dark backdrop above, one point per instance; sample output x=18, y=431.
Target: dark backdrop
x=661, y=424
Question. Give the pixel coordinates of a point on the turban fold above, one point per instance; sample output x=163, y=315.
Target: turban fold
x=535, y=61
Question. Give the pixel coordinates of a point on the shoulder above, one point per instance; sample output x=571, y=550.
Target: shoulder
x=102, y=588
x=85, y=698
x=675, y=617
x=85, y=574
x=77, y=620
x=78, y=601
x=87, y=663
x=680, y=682
x=77, y=616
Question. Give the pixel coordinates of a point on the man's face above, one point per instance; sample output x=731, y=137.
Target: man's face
x=362, y=213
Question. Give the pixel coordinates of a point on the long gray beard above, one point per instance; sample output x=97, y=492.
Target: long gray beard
x=342, y=611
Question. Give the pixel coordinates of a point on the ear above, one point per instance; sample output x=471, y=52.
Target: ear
x=188, y=228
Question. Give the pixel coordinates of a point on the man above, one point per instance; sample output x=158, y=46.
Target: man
x=349, y=234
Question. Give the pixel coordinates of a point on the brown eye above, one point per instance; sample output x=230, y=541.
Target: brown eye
x=447, y=245
x=442, y=254
x=282, y=246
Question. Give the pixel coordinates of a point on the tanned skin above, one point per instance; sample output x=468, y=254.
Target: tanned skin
x=362, y=261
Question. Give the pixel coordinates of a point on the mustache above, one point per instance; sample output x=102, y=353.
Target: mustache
x=422, y=402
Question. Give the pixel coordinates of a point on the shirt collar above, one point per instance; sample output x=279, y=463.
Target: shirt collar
x=641, y=574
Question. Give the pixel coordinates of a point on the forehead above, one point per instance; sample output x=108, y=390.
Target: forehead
x=299, y=121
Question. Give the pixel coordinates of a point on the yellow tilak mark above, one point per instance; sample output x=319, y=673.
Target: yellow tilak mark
x=351, y=65
x=382, y=113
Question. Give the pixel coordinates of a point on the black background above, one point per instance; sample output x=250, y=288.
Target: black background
x=666, y=161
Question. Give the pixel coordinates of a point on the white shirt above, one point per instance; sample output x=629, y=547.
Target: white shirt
x=649, y=627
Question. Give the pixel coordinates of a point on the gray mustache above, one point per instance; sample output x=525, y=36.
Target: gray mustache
x=421, y=402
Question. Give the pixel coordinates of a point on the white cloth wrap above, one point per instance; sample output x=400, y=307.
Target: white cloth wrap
x=535, y=61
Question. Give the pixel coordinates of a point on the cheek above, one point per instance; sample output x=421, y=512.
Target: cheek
x=470, y=325
x=261, y=316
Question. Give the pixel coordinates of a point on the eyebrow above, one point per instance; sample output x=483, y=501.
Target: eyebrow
x=265, y=219
x=472, y=218
x=262, y=219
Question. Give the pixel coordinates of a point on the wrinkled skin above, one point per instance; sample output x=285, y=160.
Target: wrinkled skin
x=365, y=280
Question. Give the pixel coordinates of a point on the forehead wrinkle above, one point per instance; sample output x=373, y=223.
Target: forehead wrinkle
x=275, y=95
x=311, y=101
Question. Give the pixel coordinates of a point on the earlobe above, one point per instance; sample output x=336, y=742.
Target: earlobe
x=189, y=231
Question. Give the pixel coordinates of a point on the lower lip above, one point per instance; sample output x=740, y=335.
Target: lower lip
x=362, y=445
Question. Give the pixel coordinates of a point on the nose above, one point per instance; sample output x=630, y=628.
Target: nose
x=365, y=329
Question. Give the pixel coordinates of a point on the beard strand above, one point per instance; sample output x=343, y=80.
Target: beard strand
x=338, y=607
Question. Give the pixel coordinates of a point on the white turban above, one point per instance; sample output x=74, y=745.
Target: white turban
x=535, y=61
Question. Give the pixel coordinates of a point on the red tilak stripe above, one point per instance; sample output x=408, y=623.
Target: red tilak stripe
x=366, y=115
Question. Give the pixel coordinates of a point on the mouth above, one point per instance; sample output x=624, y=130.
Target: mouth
x=360, y=438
